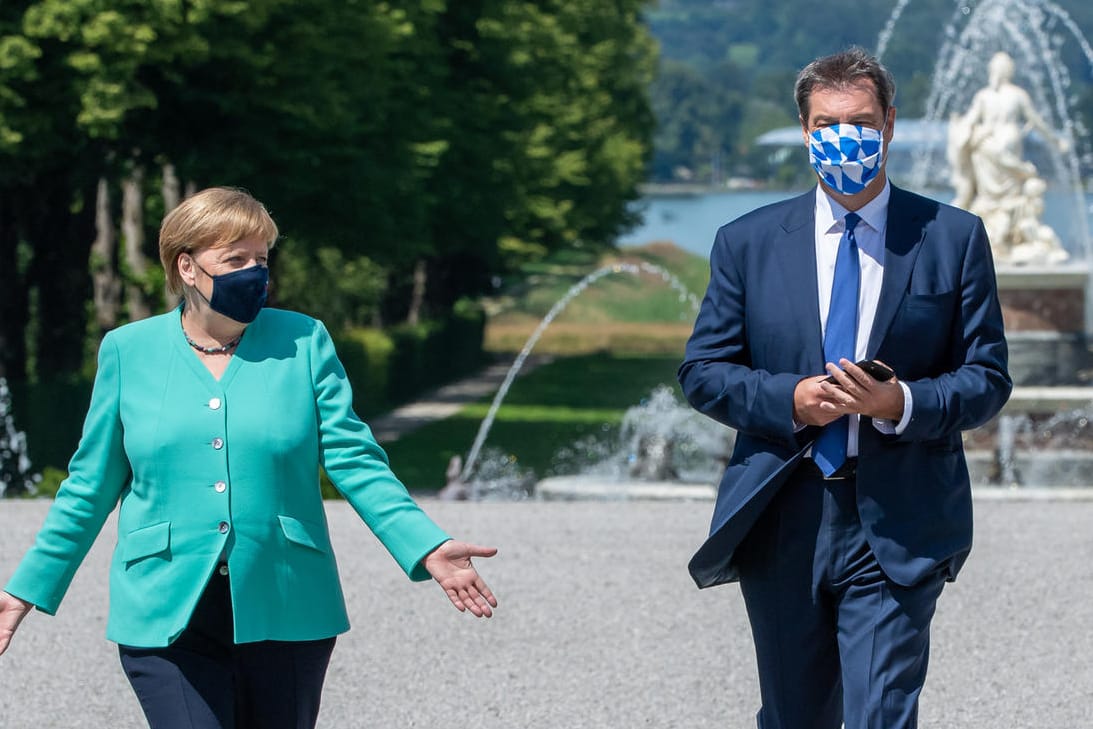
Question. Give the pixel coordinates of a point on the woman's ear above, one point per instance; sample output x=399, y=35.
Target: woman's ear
x=186, y=268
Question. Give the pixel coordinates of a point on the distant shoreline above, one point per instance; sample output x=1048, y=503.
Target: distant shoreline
x=692, y=189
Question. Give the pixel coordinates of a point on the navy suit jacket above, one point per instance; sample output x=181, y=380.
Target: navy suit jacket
x=938, y=324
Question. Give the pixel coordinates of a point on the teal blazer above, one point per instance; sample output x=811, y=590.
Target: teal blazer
x=206, y=470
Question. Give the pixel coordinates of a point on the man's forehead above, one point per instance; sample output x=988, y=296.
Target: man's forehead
x=855, y=98
x=856, y=87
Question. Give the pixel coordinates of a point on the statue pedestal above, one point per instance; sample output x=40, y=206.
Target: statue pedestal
x=1046, y=310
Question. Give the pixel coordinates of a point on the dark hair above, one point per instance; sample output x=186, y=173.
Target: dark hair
x=840, y=70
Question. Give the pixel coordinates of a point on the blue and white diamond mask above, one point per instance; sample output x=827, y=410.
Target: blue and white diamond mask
x=846, y=157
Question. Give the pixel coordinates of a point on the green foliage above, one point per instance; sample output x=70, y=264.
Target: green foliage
x=388, y=367
x=17, y=57
x=367, y=356
x=547, y=409
x=50, y=483
x=548, y=120
x=468, y=136
x=434, y=352
x=620, y=297
x=51, y=413
x=343, y=290
x=699, y=117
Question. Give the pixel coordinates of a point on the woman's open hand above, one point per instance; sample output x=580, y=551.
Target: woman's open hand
x=12, y=612
x=450, y=565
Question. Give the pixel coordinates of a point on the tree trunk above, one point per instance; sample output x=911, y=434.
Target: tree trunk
x=105, y=280
x=417, y=295
x=61, y=240
x=172, y=196
x=13, y=296
x=132, y=231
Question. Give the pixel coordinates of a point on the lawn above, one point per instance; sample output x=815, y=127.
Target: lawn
x=546, y=411
x=621, y=313
x=615, y=342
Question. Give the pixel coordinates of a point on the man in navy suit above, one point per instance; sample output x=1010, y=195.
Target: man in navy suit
x=846, y=505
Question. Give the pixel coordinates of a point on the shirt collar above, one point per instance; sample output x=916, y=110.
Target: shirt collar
x=829, y=213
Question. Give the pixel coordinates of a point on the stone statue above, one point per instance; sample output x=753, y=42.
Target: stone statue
x=1031, y=240
x=990, y=174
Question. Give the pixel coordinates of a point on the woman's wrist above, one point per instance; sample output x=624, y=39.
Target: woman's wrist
x=18, y=601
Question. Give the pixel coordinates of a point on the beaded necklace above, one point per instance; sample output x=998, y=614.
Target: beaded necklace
x=212, y=350
x=222, y=349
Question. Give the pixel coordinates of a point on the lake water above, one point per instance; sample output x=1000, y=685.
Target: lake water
x=691, y=220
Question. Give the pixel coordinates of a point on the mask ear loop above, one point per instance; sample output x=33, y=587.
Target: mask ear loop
x=207, y=274
x=887, y=118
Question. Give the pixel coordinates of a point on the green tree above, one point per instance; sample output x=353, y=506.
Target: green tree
x=420, y=147
x=699, y=121
x=546, y=131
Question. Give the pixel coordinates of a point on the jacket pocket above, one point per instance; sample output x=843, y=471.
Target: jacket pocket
x=305, y=533
x=930, y=301
x=146, y=542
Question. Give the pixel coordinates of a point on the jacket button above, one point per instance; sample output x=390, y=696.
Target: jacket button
x=223, y=527
x=223, y=569
x=214, y=404
x=220, y=487
x=218, y=443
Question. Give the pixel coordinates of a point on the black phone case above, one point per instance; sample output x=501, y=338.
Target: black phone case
x=875, y=370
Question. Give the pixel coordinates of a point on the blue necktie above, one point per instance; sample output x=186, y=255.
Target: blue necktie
x=840, y=335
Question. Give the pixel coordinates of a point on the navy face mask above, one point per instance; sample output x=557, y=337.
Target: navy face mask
x=238, y=295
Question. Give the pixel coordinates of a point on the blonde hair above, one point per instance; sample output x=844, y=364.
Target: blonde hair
x=213, y=218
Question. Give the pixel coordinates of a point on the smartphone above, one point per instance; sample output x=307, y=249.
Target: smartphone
x=875, y=370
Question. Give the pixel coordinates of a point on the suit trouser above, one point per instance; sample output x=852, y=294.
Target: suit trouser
x=204, y=680
x=835, y=640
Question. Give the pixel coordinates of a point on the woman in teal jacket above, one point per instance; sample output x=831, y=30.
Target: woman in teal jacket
x=209, y=424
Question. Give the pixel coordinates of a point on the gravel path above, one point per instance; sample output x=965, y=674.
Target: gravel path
x=599, y=627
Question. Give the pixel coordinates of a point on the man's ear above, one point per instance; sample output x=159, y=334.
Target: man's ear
x=890, y=124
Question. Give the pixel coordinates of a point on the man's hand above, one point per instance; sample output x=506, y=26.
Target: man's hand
x=815, y=402
x=12, y=612
x=855, y=391
x=450, y=565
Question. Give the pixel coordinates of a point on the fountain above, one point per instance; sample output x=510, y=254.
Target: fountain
x=1043, y=273
x=664, y=449
x=467, y=480
x=1043, y=437
x=16, y=477
x=1009, y=53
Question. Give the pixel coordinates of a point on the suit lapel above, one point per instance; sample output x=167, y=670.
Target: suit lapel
x=797, y=255
x=902, y=242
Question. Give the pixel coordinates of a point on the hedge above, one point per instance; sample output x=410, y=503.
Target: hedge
x=392, y=366
x=386, y=368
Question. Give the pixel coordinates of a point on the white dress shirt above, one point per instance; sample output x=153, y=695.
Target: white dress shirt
x=869, y=234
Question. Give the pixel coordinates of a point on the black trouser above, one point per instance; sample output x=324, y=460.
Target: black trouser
x=204, y=680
